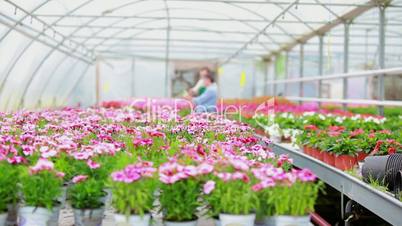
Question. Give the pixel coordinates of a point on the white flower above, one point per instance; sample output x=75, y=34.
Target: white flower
x=339, y=119
x=309, y=113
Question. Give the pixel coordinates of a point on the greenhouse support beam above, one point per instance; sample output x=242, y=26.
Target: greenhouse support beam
x=132, y=77
x=23, y=18
x=36, y=37
x=275, y=76
x=286, y=72
x=301, y=71
x=335, y=4
x=320, y=65
x=266, y=74
x=260, y=32
x=167, y=50
x=310, y=22
x=97, y=82
x=367, y=73
x=381, y=57
x=329, y=26
x=163, y=18
x=345, y=61
x=47, y=26
x=207, y=30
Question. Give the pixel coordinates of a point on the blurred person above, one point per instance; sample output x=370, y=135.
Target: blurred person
x=199, y=87
x=206, y=102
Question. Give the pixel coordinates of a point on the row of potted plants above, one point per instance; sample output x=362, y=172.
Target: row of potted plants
x=229, y=191
x=339, y=140
x=180, y=167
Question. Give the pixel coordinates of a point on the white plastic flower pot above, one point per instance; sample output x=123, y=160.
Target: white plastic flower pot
x=63, y=197
x=185, y=223
x=217, y=222
x=54, y=219
x=33, y=216
x=12, y=218
x=287, y=221
x=132, y=220
x=88, y=217
x=3, y=219
x=276, y=139
x=237, y=220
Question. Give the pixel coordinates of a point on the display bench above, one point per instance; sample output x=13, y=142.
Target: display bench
x=382, y=204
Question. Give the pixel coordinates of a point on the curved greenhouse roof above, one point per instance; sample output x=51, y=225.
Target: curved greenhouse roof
x=61, y=39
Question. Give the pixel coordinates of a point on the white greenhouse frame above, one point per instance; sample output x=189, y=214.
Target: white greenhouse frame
x=268, y=29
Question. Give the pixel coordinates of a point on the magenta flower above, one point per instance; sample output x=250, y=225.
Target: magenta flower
x=306, y=175
x=209, y=187
x=118, y=176
x=60, y=174
x=42, y=165
x=205, y=168
x=16, y=160
x=92, y=164
x=79, y=178
x=239, y=164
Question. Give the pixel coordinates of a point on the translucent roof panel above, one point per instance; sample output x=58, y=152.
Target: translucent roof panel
x=96, y=25
x=59, y=41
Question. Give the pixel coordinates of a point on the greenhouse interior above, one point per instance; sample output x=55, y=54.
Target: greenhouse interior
x=200, y=112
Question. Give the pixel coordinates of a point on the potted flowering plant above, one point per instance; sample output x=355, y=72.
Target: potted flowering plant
x=87, y=199
x=179, y=193
x=133, y=190
x=8, y=189
x=286, y=197
x=230, y=193
x=345, y=148
x=40, y=188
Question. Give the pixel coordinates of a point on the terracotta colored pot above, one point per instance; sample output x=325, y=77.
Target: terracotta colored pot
x=361, y=156
x=306, y=150
x=329, y=158
x=313, y=152
x=320, y=155
x=260, y=132
x=345, y=162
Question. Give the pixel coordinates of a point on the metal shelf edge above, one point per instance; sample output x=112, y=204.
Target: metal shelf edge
x=385, y=206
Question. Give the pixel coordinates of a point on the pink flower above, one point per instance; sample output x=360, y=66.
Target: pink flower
x=41, y=165
x=168, y=179
x=268, y=182
x=306, y=175
x=118, y=176
x=92, y=164
x=240, y=176
x=79, y=178
x=82, y=155
x=239, y=164
x=284, y=159
x=257, y=187
x=46, y=152
x=356, y=132
x=209, y=187
x=60, y=174
x=16, y=160
x=190, y=171
x=205, y=168
x=224, y=176
x=28, y=150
